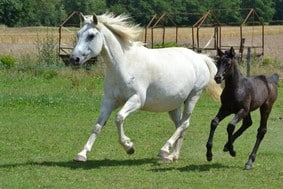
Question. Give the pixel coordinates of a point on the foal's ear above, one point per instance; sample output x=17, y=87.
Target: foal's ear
x=95, y=20
x=232, y=52
x=219, y=52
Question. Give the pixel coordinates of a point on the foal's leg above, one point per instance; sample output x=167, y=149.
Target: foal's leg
x=230, y=129
x=132, y=105
x=264, y=113
x=106, y=108
x=178, y=134
x=222, y=113
x=247, y=122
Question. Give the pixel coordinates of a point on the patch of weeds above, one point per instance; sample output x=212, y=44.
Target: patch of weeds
x=164, y=45
x=7, y=61
x=47, y=51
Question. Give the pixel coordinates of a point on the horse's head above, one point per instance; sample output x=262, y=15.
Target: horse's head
x=90, y=41
x=224, y=64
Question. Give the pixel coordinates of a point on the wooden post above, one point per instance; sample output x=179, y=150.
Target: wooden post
x=248, y=61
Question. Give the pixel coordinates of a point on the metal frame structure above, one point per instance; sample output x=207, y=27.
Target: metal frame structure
x=158, y=22
x=218, y=38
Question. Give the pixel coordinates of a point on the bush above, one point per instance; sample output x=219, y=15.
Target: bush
x=271, y=63
x=47, y=51
x=7, y=61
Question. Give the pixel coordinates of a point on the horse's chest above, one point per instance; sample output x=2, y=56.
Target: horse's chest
x=120, y=89
x=233, y=100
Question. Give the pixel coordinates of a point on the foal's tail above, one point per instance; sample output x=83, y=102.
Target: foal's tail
x=213, y=89
x=274, y=78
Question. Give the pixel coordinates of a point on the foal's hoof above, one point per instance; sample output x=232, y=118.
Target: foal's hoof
x=248, y=166
x=225, y=149
x=80, y=158
x=131, y=151
x=232, y=153
x=209, y=158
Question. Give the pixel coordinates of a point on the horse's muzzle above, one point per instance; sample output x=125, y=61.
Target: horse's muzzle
x=218, y=79
x=75, y=61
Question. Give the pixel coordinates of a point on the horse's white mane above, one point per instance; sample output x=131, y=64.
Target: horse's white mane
x=120, y=26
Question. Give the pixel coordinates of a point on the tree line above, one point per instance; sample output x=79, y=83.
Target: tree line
x=184, y=12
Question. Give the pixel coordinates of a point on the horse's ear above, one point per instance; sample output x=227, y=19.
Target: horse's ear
x=232, y=52
x=95, y=20
x=219, y=52
x=82, y=17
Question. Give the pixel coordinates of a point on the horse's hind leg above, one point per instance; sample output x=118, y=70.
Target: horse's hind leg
x=264, y=113
x=175, y=116
x=247, y=122
x=177, y=137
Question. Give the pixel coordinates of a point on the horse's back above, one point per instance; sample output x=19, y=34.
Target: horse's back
x=265, y=88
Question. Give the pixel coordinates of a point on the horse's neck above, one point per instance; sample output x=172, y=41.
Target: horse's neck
x=112, y=51
x=234, y=79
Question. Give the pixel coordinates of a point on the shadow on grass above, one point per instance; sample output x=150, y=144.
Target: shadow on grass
x=90, y=164
x=193, y=168
x=97, y=164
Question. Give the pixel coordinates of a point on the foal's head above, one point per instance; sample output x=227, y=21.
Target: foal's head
x=224, y=64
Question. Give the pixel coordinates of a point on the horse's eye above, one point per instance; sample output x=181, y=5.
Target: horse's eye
x=91, y=36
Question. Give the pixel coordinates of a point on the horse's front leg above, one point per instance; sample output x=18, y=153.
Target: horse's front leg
x=230, y=129
x=132, y=105
x=222, y=113
x=247, y=122
x=107, y=107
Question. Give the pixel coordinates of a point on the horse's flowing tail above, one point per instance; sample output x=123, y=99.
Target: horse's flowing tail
x=213, y=89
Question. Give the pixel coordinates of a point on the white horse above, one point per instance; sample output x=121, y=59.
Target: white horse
x=138, y=78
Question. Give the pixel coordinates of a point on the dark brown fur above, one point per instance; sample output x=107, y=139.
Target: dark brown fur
x=240, y=96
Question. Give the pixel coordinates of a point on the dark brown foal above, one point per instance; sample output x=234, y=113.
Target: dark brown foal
x=240, y=96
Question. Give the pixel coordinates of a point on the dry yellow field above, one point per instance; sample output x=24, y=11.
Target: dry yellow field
x=19, y=41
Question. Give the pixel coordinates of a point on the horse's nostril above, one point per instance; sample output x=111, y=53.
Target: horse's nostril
x=218, y=79
x=77, y=59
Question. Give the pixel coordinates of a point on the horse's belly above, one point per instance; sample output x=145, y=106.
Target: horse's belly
x=161, y=106
x=163, y=103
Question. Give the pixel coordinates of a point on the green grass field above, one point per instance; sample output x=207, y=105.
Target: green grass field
x=46, y=119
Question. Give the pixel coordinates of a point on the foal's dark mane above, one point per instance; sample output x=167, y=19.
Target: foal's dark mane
x=240, y=96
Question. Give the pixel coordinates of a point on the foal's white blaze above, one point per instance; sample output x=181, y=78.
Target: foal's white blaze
x=136, y=78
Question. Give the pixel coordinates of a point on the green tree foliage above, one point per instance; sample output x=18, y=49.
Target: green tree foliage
x=264, y=8
x=183, y=12
x=278, y=10
x=10, y=12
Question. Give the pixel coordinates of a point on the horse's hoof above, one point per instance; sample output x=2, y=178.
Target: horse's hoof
x=248, y=166
x=232, y=153
x=165, y=161
x=209, y=158
x=131, y=151
x=225, y=149
x=80, y=158
x=163, y=154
